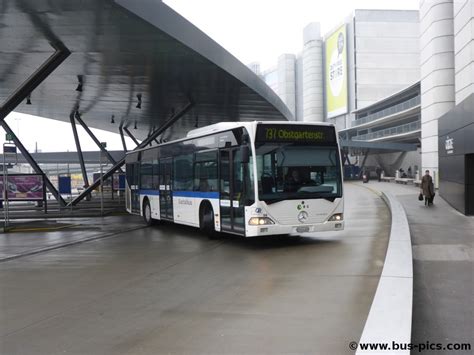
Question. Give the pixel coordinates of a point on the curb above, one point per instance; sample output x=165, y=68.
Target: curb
x=390, y=316
x=64, y=245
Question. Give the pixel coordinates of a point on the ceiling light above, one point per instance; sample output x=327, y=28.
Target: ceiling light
x=139, y=104
x=80, y=82
x=135, y=127
x=112, y=120
x=28, y=99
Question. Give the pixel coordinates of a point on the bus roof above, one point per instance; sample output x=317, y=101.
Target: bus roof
x=225, y=126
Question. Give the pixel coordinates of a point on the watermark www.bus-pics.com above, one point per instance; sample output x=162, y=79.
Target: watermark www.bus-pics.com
x=419, y=347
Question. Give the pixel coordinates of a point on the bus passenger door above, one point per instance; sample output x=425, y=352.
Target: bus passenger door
x=134, y=181
x=231, y=191
x=166, y=197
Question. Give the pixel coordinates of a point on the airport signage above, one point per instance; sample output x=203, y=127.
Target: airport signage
x=24, y=187
x=336, y=73
x=449, y=145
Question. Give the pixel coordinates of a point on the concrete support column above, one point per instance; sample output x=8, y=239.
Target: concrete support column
x=313, y=105
x=437, y=74
x=464, y=48
x=287, y=80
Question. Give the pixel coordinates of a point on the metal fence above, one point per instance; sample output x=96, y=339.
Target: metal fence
x=392, y=131
x=402, y=106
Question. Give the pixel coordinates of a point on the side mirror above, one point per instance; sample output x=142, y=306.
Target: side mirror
x=245, y=154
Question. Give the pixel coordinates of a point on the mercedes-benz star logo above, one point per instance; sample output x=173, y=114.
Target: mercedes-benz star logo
x=303, y=216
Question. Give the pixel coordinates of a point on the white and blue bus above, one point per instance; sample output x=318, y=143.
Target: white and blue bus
x=245, y=178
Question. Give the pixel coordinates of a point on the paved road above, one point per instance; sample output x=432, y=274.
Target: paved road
x=171, y=290
x=31, y=236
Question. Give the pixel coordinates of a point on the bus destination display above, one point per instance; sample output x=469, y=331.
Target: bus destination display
x=296, y=134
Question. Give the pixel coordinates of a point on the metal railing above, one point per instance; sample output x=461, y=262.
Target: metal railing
x=392, y=131
x=402, y=106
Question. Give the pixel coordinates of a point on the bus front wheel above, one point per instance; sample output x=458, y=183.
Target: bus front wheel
x=206, y=222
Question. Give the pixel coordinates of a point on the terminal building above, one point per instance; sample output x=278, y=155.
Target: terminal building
x=392, y=76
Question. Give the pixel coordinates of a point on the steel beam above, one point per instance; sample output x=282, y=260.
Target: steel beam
x=94, y=138
x=30, y=84
x=143, y=144
x=345, y=158
x=362, y=166
x=131, y=136
x=123, y=139
x=79, y=151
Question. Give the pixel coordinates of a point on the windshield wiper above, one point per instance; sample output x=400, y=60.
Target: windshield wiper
x=298, y=196
x=269, y=201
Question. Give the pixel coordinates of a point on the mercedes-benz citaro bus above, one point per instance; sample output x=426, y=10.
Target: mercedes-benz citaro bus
x=246, y=178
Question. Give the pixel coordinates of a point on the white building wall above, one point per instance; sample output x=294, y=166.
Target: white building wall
x=286, y=88
x=383, y=56
x=464, y=48
x=387, y=54
x=437, y=74
x=299, y=88
x=313, y=105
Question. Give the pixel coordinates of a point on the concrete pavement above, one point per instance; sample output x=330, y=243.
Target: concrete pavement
x=170, y=290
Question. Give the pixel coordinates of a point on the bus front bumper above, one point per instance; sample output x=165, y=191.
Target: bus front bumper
x=278, y=229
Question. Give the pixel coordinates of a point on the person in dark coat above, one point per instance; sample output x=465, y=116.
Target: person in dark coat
x=378, y=171
x=427, y=188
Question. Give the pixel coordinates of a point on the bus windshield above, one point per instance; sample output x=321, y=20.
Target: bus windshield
x=291, y=171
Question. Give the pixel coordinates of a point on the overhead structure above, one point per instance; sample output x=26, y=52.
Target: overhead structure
x=137, y=61
x=127, y=64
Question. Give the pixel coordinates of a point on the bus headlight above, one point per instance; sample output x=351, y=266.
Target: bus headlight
x=336, y=217
x=260, y=221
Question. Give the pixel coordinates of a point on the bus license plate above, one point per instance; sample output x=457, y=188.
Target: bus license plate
x=302, y=229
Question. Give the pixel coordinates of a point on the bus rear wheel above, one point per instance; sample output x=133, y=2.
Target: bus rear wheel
x=206, y=221
x=147, y=213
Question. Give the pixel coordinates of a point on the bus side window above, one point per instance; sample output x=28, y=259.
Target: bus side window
x=183, y=173
x=146, y=175
x=156, y=175
x=205, y=172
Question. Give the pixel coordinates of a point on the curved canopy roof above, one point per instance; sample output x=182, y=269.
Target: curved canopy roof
x=122, y=49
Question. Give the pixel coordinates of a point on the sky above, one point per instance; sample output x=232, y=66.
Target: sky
x=252, y=30
x=261, y=30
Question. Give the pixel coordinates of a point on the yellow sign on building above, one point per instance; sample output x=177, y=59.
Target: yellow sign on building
x=336, y=73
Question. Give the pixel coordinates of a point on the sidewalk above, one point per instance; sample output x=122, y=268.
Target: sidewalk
x=443, y=265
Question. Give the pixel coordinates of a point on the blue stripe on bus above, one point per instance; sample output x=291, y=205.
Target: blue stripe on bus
x=149, y=192
x=198, y=194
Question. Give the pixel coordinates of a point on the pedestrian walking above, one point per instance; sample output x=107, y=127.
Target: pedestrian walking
x=427, y=188
x=378, y=171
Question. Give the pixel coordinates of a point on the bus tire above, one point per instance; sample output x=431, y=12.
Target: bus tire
x=206, y=220
x=147, y=212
